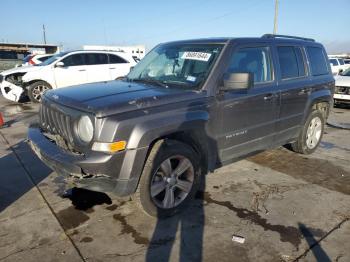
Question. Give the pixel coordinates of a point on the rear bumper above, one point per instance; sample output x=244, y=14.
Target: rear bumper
x=118, y=173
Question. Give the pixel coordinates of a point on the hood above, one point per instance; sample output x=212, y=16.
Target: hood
x=342, y=80
x=21, y=69
x=113, y=97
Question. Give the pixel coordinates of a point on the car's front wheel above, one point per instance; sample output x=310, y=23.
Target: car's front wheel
x=311, y=134
x=169, y=179
x=36, y=91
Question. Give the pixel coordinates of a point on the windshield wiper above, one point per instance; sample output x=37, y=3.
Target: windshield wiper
x=149, y=81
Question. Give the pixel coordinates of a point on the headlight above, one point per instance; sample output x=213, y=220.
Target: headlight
x=85, y=129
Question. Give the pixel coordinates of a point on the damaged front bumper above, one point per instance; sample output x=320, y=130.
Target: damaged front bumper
x=11, y=91
x=97, y=171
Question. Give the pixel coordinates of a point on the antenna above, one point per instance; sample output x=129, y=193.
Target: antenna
x=44, y=34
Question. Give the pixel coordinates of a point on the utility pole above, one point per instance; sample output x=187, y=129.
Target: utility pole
x=44, y=34
x=276, y=18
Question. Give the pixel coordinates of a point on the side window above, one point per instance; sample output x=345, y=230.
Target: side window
x=333, y=61
x=42, y=59
x=291, y=62
x=114, y=59
x=318, y=62
x=74, y=60
x=96, y=59
x=254, y=60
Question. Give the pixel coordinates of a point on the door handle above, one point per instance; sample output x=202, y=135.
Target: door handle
x=82, y=70
x=269, y=97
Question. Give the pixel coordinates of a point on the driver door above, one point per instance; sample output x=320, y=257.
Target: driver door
x=248, y=116
x=74, y=71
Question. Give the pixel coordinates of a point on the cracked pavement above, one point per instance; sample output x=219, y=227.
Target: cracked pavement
x=288, y=207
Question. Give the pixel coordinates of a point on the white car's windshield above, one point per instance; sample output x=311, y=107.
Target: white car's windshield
x=52, y=59
x=180, y=65
x=346, y=72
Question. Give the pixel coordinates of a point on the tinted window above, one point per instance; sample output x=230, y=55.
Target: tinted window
x=333, y=61
x=42, y=59
x=74, y=60
x=255, y=60
x=114, y=59
x=8, y=55
x=291, y=62
x=341, y=61
x=317, y=60
x=96, y=59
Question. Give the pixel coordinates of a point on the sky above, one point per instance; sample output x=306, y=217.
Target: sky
x=73, y=23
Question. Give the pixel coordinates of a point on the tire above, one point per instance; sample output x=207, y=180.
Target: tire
x=36, y=90
x=167, y=154
x=309, y=139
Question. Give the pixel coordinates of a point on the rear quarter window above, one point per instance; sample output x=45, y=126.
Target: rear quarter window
x=291, y=62
x=318, y=61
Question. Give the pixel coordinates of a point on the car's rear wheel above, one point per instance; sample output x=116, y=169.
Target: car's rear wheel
x=311, y=134
x=169, y=179
x=36, y=91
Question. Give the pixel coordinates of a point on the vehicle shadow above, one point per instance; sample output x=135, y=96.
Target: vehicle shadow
x=189, y=224
x=314, y=246
x=14, y=178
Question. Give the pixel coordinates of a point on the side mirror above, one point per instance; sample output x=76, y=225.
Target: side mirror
x=59, y=64
x=237, y=81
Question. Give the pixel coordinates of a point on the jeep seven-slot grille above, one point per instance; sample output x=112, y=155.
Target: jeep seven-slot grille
x=55, y=122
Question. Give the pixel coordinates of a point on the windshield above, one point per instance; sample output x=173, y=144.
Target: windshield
x=52, y=59
x=346, y=72
x=181, y=65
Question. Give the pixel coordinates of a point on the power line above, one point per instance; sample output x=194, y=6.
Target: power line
x=256, y=4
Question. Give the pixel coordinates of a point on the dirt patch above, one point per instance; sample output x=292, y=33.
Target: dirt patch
x=129, y=229
x=316, y=171
x=71, y=217
x=287, y=233
x=86, y=240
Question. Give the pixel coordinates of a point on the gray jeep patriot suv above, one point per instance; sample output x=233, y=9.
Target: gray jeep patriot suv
x=187, y=108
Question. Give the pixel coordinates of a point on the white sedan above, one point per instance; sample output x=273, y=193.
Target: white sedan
x=64, y=69
x=342, y=87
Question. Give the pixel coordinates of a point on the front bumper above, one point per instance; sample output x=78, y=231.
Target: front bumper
x=118, y=173
x=10, y=91
x=342, y=97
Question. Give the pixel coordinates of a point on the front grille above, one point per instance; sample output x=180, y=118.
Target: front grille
x=55, y=122
x=344, y=90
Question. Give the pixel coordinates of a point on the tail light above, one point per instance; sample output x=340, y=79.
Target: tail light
x=31, y=62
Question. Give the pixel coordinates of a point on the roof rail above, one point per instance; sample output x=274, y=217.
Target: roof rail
x=287, y=36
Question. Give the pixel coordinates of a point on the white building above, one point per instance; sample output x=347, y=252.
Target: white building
x=137, y=51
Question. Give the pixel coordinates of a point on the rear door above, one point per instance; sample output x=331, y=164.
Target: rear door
x=73, y=72
x=295, y=87
x=118, y=66
x=97, y=67
x=248, y=116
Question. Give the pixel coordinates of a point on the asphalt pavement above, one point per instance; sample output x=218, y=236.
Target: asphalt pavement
x=285, y=206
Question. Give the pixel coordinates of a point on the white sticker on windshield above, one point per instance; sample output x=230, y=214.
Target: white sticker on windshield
x=191, y=78
x=196, y=56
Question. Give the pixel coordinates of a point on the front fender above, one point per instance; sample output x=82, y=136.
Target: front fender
x=145, y=133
